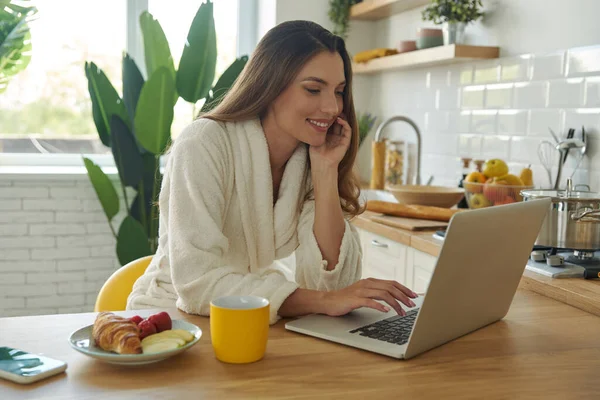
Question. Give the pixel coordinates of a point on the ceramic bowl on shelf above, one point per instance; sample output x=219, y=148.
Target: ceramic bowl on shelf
x=406, y=45
x=429, y=37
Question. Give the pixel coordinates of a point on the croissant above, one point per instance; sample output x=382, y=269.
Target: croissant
x=117, y=334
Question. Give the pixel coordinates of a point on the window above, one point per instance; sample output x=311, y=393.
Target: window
x=46, y=108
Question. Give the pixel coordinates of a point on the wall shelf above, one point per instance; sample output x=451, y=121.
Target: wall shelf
x=371, y=10
x=427, y=57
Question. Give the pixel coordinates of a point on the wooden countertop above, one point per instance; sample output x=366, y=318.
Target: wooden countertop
x=542, y=349
x=578, y=292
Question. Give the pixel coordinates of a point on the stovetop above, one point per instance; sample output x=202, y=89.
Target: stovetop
x=556, y=263
x=561, y=263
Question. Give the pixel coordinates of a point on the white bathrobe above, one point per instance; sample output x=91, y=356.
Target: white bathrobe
x=219, y=232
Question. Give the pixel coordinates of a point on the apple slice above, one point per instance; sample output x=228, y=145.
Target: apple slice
x=182, y=333
x=157, y=338
x=160, y=346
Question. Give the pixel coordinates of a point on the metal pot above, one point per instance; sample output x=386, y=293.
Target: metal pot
x=573, y=221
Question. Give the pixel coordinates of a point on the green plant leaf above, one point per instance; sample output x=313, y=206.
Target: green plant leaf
x=132, y=85
x=105, y=101
x=150, y=163
x=196, y=71
x=157, y=52
x=156, y=47
x=154, y=112
x=15, y=41
x=126, y=153
x=224, y=83
x=132, y=241
x=104, y=188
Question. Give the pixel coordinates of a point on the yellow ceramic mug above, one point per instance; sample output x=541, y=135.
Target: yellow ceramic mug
x=239, y=328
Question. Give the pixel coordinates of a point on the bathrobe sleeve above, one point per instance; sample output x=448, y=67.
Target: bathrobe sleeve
x=198, y=180
x=311, y=268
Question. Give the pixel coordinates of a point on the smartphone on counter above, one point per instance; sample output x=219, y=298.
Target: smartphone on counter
x=22, y=367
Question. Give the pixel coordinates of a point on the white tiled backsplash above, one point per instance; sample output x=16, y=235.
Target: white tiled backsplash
x=496, y=109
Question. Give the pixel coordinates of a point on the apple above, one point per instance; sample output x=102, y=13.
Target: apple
x=162, y=320
x=506, y=200
x=474, y=177
x=136, y=319
x=494, y=190
x=495, y=168
x=478, y=200
x=147, y=328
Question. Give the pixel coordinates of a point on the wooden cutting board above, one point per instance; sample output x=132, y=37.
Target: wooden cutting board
x=408, y=223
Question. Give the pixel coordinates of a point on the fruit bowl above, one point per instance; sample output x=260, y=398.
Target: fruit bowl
x=480, y=195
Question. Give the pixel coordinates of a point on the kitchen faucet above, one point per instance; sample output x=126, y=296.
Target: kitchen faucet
x=378, y=138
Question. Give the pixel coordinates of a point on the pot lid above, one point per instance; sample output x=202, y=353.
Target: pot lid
x=561, y=195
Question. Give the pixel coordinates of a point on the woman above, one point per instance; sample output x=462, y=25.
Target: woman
x=266, y=173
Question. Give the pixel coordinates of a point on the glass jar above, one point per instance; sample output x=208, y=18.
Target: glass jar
x=394, y=163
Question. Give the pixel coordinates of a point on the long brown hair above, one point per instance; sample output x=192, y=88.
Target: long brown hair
x=276, y=61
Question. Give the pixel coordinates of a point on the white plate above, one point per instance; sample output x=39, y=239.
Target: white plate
x=82, y=341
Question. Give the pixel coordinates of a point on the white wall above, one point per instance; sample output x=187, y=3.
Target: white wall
x=56, y=249
x=266, y=16
x=507, y=123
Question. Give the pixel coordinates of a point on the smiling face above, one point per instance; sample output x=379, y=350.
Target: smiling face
x=306, y=109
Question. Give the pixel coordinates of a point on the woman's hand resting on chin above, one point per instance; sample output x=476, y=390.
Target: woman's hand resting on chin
x=364, y=293
x=336, y=144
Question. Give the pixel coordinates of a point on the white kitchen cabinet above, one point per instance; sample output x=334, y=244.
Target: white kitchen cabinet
x=382, y=258
x=387, y=259
x=419, y=267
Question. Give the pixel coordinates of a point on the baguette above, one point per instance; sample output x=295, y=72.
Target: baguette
x=411, y=210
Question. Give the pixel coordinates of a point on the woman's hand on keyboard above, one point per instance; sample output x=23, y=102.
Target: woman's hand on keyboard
x=364, y=293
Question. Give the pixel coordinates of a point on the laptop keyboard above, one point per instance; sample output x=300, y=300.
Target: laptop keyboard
x=395, y=329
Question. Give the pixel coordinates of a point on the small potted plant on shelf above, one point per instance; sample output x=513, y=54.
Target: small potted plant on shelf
x=339, y=13
x=454, y=15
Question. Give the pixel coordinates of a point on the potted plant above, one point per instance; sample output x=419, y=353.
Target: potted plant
x=365, y=124
x=454, y=15
x=15, y=38
x=137, y=125
x=339, y=12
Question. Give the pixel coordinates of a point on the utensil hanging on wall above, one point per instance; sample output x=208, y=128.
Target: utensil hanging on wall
x=570, y=135
x=553, y=135
x=582, y=152
x=547, y=154
x=564, y=147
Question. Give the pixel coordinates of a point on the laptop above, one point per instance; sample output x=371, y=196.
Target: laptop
x=475, y=279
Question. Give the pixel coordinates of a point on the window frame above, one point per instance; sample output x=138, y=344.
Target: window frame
x=246, y=41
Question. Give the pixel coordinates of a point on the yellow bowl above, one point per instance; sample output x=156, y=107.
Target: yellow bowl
x=426, y=195
x=480, y=195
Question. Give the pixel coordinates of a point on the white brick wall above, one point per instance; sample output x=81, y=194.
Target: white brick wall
x=56, y=249
x=503, y=109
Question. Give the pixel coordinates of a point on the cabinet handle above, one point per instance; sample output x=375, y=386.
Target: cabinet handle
x=378, y=244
